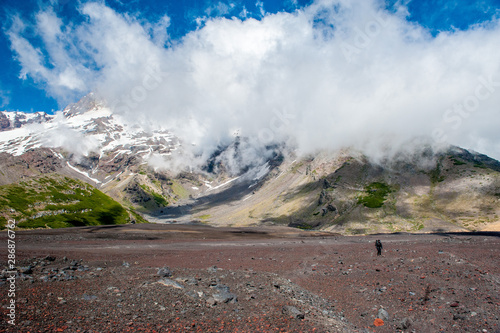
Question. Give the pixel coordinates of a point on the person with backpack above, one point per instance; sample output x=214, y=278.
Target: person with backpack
x=378, y=245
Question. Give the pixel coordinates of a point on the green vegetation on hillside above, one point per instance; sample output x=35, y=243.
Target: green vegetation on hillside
x=435, y=174
x=179, y=190
x=57, y=202
x=375, y=195
x=480, y=165
x=158, y=198
x=204, y=217
x=456, y=161
x=138, y=218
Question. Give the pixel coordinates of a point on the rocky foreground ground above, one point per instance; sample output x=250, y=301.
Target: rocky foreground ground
x=185, y=278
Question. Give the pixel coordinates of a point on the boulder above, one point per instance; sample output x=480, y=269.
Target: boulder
x=164, y=272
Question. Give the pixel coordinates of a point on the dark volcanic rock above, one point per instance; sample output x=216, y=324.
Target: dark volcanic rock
x=43, y=160
x=4, y=122
x=26, y=270
x=224, y=295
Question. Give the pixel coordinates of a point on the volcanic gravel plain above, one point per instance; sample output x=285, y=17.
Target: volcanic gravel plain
x=194, y=278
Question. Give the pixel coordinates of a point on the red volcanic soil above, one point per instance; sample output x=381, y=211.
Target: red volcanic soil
x=107, y=279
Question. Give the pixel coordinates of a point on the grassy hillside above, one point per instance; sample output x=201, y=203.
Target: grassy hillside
x=55, y=201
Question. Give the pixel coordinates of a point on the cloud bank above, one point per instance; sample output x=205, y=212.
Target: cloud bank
x=334, y=74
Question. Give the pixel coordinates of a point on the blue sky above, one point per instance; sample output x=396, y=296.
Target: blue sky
x=27, y=94
x=322, y=73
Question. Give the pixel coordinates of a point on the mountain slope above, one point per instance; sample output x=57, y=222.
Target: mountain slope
x=341, y=191
x=54, y=201
x=452, y=191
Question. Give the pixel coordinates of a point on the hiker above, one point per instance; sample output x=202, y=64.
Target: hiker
x=378, y=245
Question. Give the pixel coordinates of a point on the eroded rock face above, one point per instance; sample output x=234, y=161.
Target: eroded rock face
x=32, y=163
x=44, y=160
x=136, y=193
x=4, y=122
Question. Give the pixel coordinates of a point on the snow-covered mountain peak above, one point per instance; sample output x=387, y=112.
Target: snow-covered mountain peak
x=14, y=119
x=84, y=105
x=81, y=128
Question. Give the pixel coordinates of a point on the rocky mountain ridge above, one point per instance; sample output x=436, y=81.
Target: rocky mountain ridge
x=342, y=191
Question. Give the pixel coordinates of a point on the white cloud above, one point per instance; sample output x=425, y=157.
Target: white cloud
x=244, y=13
x=219, y=9
x=260, y=6
x=334, y=74
x=4, y=97
x=58, y=66
x=64, y=136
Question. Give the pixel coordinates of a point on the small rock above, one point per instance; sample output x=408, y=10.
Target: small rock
x=454, y=304
x=26, y=270
x=170, y=283
x=192, y=281
x=126, y=264
x=383, y=314
x=192, y=294
x=49, y=258
x=405, y=323
x=188, y=280
x=212, y=269
x=221, y=287
x=225, y=297
x=211, y=301
x=213, y=282
x=89, y=297
x=164, y=272
x=293, y=312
